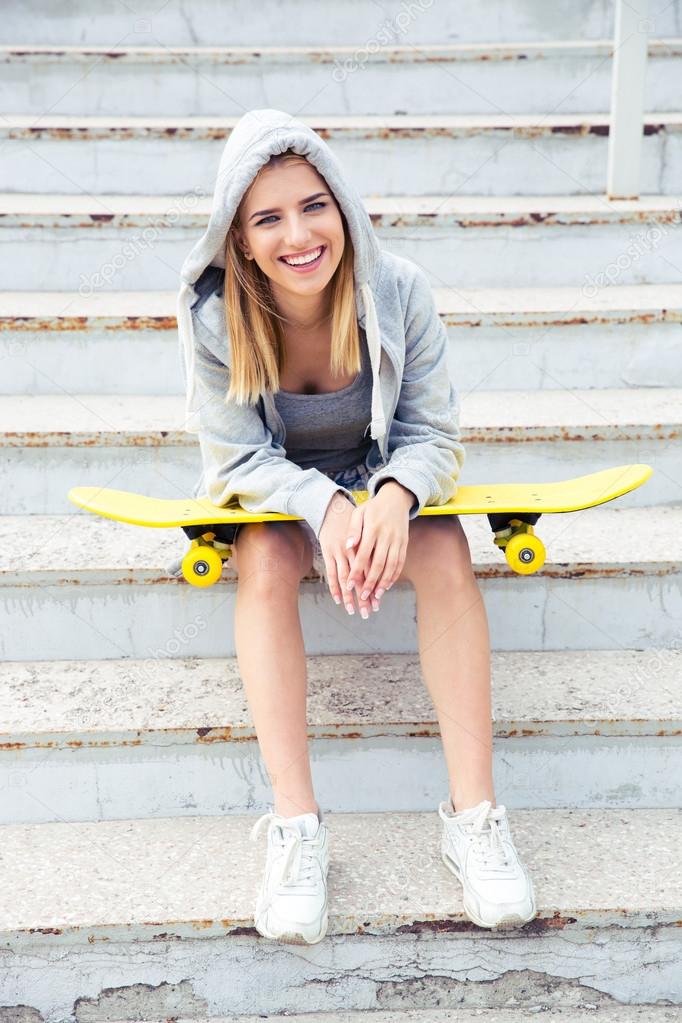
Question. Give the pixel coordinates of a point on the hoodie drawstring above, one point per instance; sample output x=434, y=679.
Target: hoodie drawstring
x=186, y=296
x=378, y=424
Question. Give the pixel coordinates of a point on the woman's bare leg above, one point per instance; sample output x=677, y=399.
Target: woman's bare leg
x=454, y=650
x=270, y=563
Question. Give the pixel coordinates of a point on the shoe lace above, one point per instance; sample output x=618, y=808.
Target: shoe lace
x=488, y=845
x=298, y=866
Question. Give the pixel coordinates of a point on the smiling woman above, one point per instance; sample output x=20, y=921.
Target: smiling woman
x=310, y=302
x=302, y=309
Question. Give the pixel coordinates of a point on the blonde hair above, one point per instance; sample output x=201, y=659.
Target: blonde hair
x=254, y=329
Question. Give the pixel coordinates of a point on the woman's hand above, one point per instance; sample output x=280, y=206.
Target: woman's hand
x=379, y=530
x=336, y=528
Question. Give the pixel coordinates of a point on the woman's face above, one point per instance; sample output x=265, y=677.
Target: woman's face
x=290, y=212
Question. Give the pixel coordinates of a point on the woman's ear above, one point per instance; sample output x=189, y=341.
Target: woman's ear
x=241, y=244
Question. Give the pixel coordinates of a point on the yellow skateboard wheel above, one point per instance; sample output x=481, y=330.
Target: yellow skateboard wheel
x=202, y=565
x=525, y=553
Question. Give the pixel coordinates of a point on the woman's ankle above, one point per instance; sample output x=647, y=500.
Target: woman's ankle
x=466, y=800
x=290, y=809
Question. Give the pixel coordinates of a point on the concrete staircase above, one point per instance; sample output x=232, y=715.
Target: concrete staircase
x=129, y=766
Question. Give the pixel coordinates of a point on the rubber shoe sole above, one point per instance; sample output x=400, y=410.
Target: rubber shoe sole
x=305, y=934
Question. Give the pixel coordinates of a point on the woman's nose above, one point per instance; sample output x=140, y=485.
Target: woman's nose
x=297, y=233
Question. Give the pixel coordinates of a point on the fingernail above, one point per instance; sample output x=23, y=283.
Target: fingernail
x=350, y=541
x=337, y=600
x=350, y=584
x=365, y=594
x=380, y=593
x=350, y=609
x=375, y=605
x=364, y=612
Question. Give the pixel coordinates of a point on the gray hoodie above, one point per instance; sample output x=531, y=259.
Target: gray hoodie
x=415, y=411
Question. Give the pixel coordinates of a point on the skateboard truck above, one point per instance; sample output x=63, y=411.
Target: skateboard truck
x=524, y=551
x=202, y=565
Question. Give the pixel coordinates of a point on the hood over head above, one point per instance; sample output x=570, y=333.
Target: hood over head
x=257, y=136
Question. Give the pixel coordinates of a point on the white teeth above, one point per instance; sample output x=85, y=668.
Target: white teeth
x=301, y=260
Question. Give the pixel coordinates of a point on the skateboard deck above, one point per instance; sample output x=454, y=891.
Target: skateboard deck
x=512, y=510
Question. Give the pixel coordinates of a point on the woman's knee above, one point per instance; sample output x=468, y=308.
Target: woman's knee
x=442, y=553
x=272, y=553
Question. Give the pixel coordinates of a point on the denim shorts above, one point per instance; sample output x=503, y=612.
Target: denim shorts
x=354, y=478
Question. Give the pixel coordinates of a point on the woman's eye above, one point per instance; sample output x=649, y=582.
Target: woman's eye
x=273, y=216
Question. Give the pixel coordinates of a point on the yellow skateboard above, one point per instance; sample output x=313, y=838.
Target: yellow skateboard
x=512, y=510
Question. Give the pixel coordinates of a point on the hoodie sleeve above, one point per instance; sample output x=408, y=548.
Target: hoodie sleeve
x=425, y=454
x=240, y=458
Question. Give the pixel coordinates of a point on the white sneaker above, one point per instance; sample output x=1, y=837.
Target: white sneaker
x=174, y=567
x=477, y=847
x=292, y=903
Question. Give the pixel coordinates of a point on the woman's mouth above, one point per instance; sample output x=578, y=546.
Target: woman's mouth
x=306, y=264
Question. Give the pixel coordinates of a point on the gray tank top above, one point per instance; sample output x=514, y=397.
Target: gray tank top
x=326, y=431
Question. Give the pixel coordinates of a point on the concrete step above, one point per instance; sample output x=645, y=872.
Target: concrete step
x=523, y=338
x=570, y=76
x=112, y=243
x=612, y=580
x=137, y=442
x=572, y=1014
x=483, y=154
x=359, y=22
x=599, y=727
x=118, y=910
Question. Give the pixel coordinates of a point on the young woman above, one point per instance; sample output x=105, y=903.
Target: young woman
x=296, y=327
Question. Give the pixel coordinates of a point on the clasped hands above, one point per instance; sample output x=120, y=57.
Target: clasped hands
x=377, y=532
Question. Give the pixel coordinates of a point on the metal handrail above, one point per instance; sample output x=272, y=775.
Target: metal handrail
x=627, y=99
